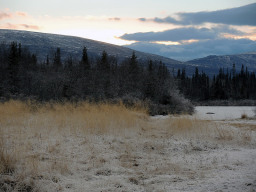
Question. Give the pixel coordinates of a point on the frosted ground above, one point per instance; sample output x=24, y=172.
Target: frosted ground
x=206, y=152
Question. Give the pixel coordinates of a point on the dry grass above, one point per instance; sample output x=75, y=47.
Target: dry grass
x=224, y=134
x=244, y=126
x=32, y=134
x=244, y=116
x=188, y=126
x=82, y=116
x=7, y=159
x=183, y=127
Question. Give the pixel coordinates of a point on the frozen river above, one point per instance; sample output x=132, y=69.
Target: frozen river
x=223, y=112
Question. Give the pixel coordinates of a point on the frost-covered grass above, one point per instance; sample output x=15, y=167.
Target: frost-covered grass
x=104, y=147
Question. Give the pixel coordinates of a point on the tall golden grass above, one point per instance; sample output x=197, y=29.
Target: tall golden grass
x=184, y=127
x=24, y=124
x=74, y=116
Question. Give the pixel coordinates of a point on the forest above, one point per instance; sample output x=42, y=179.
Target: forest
x=104, y=79
x=226, y=85
x=100, y=79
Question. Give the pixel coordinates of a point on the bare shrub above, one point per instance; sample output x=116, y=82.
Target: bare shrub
x=175, y=103
x=179, y=104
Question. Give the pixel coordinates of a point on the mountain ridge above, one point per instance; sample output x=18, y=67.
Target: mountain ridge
x=43, y=44
x=215, y=62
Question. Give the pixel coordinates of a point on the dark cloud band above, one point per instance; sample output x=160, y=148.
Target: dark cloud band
x=199, y=49
x=244, y=15
x=181, y=34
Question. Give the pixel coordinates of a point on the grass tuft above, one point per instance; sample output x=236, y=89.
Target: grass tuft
x=244, y=116
x=7, y=161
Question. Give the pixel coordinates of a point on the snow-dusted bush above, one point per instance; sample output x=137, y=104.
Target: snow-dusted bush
x=180, y=104
x=175, y=103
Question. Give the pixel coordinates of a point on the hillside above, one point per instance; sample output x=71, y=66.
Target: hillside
x=212, y=63
x=43, y=44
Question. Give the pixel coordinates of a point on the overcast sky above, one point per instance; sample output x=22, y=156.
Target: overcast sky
x=166, y=27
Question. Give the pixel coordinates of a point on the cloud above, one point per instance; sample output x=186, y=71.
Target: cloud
x=181, y=34
x=19, y=26
x=4, y=15
x=23, y=14
x=114, y=19
x=199, y=49
x=244, y=15
x=26, y=26
x=9, y=26
x=166, y=20
x=14, y=22
x=7, y=14
x=142, y=19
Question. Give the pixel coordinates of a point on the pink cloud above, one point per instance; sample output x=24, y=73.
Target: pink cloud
x=114, y=19
x=4, y=15
x=7, y=14
x=9, y=26
x=23, y=14
x=26, y=26
x=19, y=26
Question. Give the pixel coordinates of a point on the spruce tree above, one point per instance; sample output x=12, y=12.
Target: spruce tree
x=85, y=65
x=57, y=60
x=13, y=67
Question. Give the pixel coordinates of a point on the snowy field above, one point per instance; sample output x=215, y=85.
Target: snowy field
x=223, y=113
x=205, y=152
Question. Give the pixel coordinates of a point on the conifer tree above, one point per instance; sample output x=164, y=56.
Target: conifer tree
x=57, y=60
x=13, y=67
x=85, y=65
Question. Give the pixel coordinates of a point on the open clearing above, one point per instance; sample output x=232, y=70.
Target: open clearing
x=105, y=147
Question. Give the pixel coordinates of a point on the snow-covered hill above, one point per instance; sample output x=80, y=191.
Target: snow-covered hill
x=44, y=44
x=214, y=62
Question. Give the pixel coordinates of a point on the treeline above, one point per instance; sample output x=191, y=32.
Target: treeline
x=100, y=79
x=226, y=85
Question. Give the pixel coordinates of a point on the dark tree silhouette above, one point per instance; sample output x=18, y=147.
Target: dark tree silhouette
x=57, y=60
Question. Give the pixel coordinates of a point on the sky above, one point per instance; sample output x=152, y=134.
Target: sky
x=179, y=29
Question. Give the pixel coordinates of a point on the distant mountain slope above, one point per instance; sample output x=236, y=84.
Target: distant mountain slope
x=44, y=44
x=212, y=63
